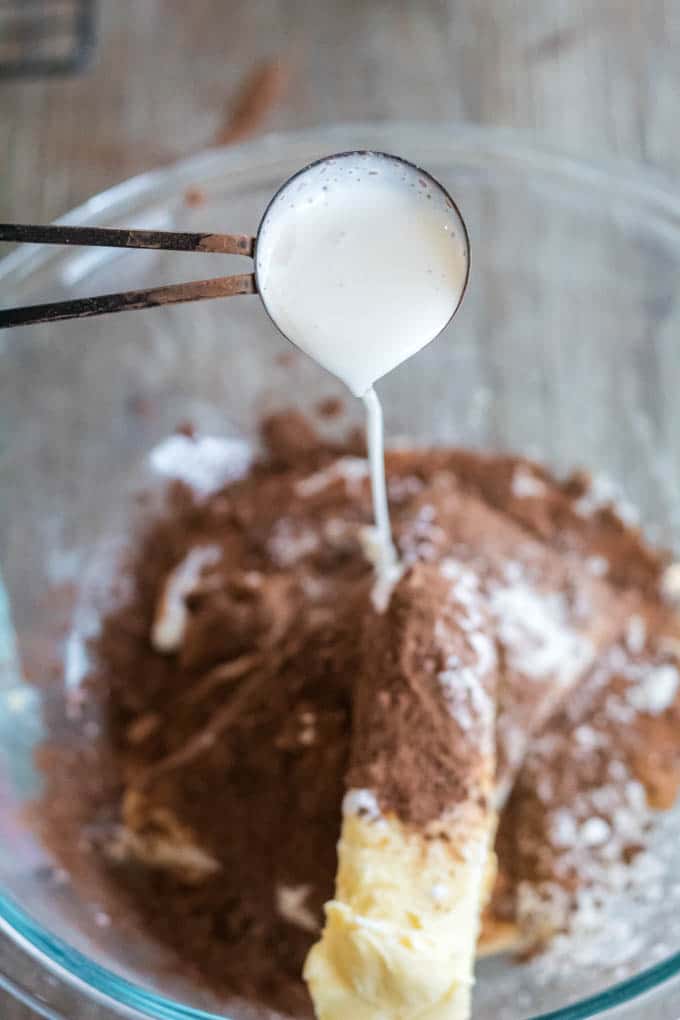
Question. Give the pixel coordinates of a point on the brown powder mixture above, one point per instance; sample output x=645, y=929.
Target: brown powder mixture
x=210, y=806
x=420, y=740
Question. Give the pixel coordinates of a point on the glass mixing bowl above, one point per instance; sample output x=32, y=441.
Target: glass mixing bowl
x=566, y=347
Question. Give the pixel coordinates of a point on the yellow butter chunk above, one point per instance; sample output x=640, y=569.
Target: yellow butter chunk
x=400, y=935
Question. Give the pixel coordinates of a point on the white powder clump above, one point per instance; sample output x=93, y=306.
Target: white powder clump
x=563, y=830
x=204, y=463
x=351, y=470
x=512, y=571
x=77, y=661
x=597, y=566
x=363, y=803
x=169, y=848
x=670, y=582
x=290, y=904
x=526, y=485
x=288, y=542
x=619, y=709
x=636, y=634
x=403, y=488
x=464, y=590
x=595, y=832
x=423, y=538
x=656, y=690
x=601, y=494
x=587, y=738
x=466, y=699
x=539, y=641
x=485, y=651
x=172, y=615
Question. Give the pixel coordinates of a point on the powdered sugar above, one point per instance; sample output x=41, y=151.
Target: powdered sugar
x=290, y=541
x=363, y=803
x=423, y=538
x=636, y=634
x=596, y=824
x=603, y=493
x=462, y=682
x=485, y=650
x=595, y=831
x=353, y=471
x=171, y=616
x=169, y=847
x=465, y=591
x=466, y=699
x=205, y=463
x=291, y=905
x=656, y=690
x=598, y=566
x=588, y=738
x=606, y=935
x=526, y=485
x=670, y=583
x=106, y=586
x=563, y=829
x=401, y=488
x=534, y=628
x=591, y=837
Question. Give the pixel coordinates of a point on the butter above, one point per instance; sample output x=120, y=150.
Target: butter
x=400, y=935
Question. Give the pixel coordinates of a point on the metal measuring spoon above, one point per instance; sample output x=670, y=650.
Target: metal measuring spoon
x=309, y=177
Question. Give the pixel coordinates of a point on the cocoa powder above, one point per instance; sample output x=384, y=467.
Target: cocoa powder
x=208, y=811
x=420, y=743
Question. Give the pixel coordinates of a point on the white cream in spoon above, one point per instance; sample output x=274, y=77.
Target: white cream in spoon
x=361, y=260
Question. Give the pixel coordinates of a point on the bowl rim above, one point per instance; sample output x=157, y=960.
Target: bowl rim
x=644, y=186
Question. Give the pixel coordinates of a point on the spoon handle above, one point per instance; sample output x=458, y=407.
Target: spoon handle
x=103, y=304
x=161, y=240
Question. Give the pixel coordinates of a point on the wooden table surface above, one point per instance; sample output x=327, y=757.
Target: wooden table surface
x=598, y=78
